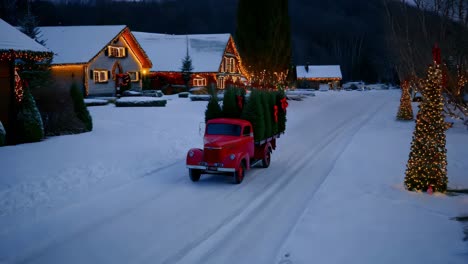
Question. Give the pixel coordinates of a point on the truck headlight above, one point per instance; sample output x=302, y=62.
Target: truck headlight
x=232, y=156
x=191, y=153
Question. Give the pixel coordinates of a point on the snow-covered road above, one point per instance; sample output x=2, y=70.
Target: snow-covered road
x=157, y=215
x=165, y=218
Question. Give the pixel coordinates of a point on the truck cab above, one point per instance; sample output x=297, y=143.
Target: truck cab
x=229, y=148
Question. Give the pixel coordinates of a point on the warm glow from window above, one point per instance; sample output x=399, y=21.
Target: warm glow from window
x=198, y=81
x=100, y=76
x=230, y=65
x=220, y=83
x=117, y=52
x=134, y=76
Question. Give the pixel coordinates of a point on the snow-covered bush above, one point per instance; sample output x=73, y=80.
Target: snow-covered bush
x=140, y=101
x=2, y=134
x=95, y=102
x=184, y=95
x=29, y=122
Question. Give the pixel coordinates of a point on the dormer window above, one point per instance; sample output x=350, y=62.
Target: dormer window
x=117, y=52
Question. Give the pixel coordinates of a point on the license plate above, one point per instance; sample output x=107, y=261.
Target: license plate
x=213, y=168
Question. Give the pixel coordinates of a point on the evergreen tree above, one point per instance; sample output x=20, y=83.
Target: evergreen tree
x=187, y=67
x=30, y=26
x=405, y=111
x=268, y=115
x=253, y=112
x=29, y=122
x=80, y=107
x=264, y=39
x=230, y=103
x=273, y=106
x=427, y=164
x=282, y=104
x=213, y=109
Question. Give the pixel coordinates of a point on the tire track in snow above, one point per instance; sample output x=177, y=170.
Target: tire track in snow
x=207, y=246
x=244, y=213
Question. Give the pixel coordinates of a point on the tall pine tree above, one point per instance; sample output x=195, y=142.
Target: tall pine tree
x=427, y=164
x=263, y=37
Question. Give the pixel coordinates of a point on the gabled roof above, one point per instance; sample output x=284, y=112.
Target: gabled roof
x=80, y=44
x=168, y=51
x=319, y=71
x=13, y=39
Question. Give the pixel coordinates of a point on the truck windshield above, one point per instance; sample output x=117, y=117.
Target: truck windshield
x=223, y=129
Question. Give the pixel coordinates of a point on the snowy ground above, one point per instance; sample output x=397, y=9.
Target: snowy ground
x=333, y=193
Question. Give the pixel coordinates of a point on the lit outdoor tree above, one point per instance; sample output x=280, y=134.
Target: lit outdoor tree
x=427, y=164
x=406, y=111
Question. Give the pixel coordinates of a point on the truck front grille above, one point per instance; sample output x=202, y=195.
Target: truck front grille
x=212, y=155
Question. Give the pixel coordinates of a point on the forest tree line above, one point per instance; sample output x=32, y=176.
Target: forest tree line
x=355, y=34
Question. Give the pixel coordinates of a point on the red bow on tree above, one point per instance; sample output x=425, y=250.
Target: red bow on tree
x=284, y=104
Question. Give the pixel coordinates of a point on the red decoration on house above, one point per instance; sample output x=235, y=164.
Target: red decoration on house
x=122, y=79
x=429, y=190
x=240, y=101
x=284, y=104
x=436, y=54
x=275, y=112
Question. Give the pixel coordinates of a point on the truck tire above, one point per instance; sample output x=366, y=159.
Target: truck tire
x=266, y=159
x=239, y=173
x=194, y=174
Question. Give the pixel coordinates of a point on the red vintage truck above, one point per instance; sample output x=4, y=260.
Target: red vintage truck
x=229, y=148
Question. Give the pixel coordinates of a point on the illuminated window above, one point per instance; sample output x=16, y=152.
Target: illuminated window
x=118, y=52
x=229, y=65
x=221, y=83
x=199, y=81
x=100, y=76
x=134, y=76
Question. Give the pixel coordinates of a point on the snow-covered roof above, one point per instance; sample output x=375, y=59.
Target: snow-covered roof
x=168, y=51
x=78, y=44
x=319, y=71
x=13, y=39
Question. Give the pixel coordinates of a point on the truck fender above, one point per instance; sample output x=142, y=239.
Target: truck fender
x=194, y=156
x=244, y=156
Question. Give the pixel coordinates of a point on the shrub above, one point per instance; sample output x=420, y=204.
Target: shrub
x=29, y=122
x=2, y=135
x=80, y=107
x=184, y=95
x=140, y=102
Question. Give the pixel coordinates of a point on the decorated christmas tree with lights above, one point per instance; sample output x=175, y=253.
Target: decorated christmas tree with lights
x=427, y=165
x=405, y=112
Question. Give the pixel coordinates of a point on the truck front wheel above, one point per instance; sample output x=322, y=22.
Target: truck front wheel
x=194, y=174
x=239, y=173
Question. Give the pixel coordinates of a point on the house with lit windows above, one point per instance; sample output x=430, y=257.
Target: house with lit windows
x=215, y=59
x=14, y=48
x=99, y=59
x=319, y=76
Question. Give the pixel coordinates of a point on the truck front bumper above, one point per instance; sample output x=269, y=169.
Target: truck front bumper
x=211, y=168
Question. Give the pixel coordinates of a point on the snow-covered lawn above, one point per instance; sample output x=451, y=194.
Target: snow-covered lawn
x=132, y=162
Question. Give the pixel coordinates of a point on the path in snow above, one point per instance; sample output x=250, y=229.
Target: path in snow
x=165, y=218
